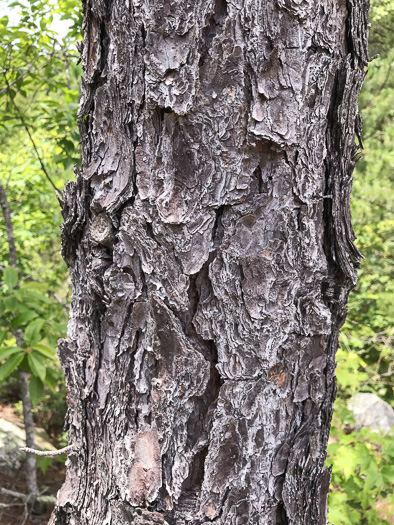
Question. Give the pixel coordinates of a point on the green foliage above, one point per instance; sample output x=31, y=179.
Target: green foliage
x=44, y=463
x=38, y=103
x=363, y=473
x=368, y=331
x=35, y=316
x=50, y=404
x=39, y=96
x=10, y=277
x=382, y=18
x=36, y=390
x=363, y=461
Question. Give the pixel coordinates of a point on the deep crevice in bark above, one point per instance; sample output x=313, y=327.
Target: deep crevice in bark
x=195, y=479
x=258, y=176
x=217, y=232
x=213, y=27
x=348, y=30
x=281, y=515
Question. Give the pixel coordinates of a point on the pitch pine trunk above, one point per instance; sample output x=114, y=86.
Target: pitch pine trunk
x=211, y=252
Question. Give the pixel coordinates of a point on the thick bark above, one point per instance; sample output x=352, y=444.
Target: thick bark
x=211, y=254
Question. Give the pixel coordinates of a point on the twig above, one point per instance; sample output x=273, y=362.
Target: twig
x=58, y=300
x=8, y=226
x=47, y=453
x=25, y=501
x=13, y=494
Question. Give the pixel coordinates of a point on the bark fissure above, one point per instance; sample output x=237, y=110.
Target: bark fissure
x=213, y=27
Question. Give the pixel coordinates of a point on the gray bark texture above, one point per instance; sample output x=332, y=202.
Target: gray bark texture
x=211, y=252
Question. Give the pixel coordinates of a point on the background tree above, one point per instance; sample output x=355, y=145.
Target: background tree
x=211, y=254
x=35, y=67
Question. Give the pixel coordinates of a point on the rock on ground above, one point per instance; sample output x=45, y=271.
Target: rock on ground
x=12, y=438
x=371, y=411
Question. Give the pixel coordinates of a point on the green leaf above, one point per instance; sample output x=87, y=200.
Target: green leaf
x=45, y=350
x=33, y=285
x=43, y=463
x=32, y=332
x=373, y=480
x=11, y=364
x=37, y=365
x=355, y=517
x=11, y=303
x=24, y=365
x=6, y=351
x=32, y=296
x=338, y=509
x=50, y=381
x=36, y=389
x=3, y=335
x=346, y=459
x=366, y=499
x=388, y=473
x=10, y=277
x=23, y=318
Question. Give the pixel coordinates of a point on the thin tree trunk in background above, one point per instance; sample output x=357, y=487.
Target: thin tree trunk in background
x=31, y=463
x=211, y=252
x=6, y=211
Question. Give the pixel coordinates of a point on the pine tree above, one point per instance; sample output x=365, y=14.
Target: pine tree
x=210, y=247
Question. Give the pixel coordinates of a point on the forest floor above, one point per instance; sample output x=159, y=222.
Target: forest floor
x=14, y=513
x=12, y=510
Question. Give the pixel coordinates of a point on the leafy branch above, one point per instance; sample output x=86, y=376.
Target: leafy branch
x=24, y=123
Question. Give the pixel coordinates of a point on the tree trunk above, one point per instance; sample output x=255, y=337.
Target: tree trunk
x=31, y=462
x=211, y=253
